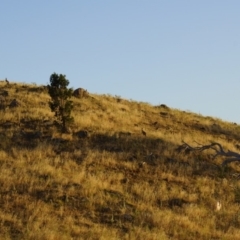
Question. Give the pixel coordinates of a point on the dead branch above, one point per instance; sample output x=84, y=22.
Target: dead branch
x=219, y=151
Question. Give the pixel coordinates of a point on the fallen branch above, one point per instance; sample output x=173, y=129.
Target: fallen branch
x=217, y=147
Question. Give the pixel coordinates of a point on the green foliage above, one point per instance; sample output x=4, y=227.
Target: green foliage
x=60, y=103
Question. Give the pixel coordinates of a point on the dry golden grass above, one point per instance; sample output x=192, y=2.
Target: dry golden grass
x=116, y=183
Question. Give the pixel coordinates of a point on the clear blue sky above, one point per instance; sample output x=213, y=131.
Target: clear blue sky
x=182, y=53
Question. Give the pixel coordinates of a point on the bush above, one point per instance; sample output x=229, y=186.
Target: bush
x=60, y=102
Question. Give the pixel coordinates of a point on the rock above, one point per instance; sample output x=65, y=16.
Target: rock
x=80, y=93
x=163, y=106
x=82, y=134
x=176, y=202
x=14, y=103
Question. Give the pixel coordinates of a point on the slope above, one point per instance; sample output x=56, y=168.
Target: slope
x=108, y=180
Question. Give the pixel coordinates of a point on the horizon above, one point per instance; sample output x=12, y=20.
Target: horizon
x=185, y=55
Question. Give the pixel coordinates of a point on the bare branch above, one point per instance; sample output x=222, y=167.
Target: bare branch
x=229, y=160
x=217, y=147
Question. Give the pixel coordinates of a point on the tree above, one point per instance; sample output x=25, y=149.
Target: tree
x=60, y=103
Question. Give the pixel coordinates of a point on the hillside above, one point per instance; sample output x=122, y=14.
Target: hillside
x=108, y=180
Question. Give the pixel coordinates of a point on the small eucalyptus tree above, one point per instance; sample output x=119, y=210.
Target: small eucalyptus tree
x=60, y=100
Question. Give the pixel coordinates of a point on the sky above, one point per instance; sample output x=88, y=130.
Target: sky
x=185, y=54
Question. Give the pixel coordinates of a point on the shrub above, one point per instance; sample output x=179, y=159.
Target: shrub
x=60, y=102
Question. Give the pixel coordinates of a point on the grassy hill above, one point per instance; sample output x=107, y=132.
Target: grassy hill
x=107, y=180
